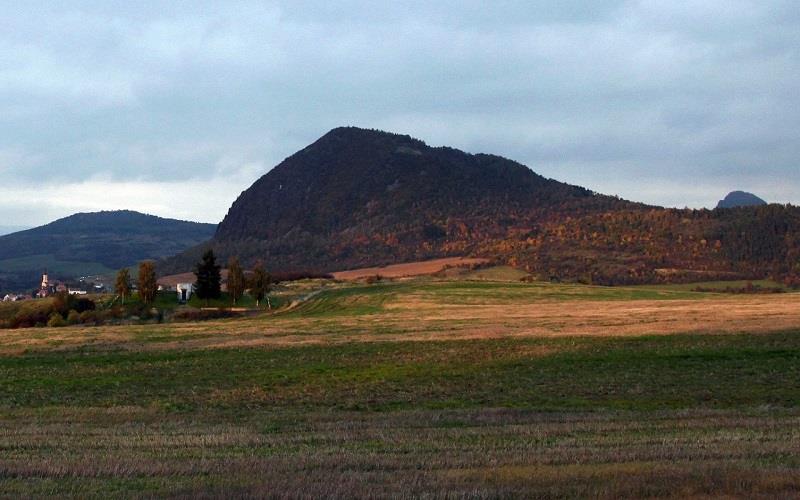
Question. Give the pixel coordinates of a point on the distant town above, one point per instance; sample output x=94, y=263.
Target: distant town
x=49, y=287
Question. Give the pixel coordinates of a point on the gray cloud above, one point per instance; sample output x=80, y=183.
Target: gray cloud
x=668, y=103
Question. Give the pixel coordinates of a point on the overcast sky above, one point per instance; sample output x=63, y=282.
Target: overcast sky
x=174, y=108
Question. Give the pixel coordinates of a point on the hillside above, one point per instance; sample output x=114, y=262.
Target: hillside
x=92, y=243
x=360, y=198
x=740, y=199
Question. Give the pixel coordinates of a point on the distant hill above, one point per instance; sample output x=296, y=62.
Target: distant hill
x=92, y=243
x=360, y=198
x=740, y=199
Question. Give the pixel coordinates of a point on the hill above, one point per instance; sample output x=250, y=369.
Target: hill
x=92, y=243
x=740, y=199
x=360, y=198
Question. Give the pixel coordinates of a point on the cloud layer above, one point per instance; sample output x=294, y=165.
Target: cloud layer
x=175, y=107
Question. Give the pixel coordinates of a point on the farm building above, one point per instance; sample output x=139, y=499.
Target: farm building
x=185, y=291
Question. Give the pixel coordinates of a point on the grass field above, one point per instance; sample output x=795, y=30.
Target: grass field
x=422, y=387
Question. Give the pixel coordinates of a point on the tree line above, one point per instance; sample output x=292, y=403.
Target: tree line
x=208, y=281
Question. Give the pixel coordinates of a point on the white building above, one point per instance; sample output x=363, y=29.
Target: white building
x=185, y=291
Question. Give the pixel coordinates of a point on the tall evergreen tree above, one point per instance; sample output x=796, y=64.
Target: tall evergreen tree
x=148, y=285
x=236, y=284
x=208, y=281
x=260, y=283
x=123, y=283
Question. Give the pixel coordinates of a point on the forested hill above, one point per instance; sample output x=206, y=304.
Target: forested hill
x=364, y=180
x=360, y=197
x=92, y=243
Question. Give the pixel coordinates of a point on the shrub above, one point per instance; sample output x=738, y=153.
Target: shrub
x=88, y=317
x=142, y=312
x=74, y=317
x=371, y=280
x=84, y=304
x=188, y=314
x=56, y=320
x=63, y=303
x=109, y=315
x=32, y=313
x=792, y=281
x=116, y=312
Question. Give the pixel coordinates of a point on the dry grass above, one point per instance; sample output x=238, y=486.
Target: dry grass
x=426, y=317
x=616, y=318
x=408, y=269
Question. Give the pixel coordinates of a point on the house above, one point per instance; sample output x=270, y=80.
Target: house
x=12, y=297
x=75, y=291
x=185, y=291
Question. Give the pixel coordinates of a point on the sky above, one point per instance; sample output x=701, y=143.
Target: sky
x=174, y=108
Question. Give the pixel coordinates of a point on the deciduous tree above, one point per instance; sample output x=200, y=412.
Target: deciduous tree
x=148, y=286
x=123, y=283
x=260, y=283
x=236, y=282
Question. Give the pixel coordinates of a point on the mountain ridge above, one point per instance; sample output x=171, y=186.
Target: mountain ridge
x=361, y=198
x=390, y=155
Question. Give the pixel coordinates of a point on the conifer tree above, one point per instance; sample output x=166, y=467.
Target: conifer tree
x=207, y=285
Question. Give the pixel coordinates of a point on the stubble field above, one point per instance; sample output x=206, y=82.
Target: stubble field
x=423, y=387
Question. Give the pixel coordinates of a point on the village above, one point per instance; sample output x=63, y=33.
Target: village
x=48, y=287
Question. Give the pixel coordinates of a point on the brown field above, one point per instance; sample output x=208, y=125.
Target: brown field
x=426, y=316
x=409, y=269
